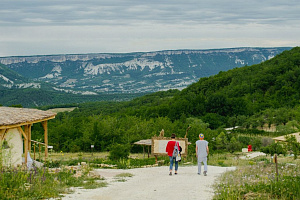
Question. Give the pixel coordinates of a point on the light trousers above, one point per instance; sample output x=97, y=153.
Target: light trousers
x=200, y=161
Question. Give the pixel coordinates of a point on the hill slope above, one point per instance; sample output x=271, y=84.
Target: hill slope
x=245, y=91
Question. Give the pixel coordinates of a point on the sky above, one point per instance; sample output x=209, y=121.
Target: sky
x=39, y=27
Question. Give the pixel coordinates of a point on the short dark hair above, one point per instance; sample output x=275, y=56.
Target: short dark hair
x=173, y=135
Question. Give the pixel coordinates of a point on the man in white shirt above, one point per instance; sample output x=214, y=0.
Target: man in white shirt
x=201, y=153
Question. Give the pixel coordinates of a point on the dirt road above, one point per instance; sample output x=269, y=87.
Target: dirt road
x=153, y=184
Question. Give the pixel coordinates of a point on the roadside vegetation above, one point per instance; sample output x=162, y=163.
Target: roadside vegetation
x=42, y=183
x=259, y=180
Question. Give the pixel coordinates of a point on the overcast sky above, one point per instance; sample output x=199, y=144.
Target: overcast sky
x=39, y=27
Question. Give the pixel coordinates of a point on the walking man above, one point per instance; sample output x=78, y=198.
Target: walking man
x=201, y=153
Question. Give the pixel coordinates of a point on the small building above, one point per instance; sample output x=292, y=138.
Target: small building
x=15, y=133
x=282, y=138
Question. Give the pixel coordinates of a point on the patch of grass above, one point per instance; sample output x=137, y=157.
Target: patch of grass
x=120, y=180
x=93, y=184
x=17, y=183
x=124, y=175
x=259, y=181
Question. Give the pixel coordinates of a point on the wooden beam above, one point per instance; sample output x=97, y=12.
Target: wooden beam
x=29, y=137
x=27, y=132
x=45, y=126
x=37, y=142
x=2, y=133
x=23, y=133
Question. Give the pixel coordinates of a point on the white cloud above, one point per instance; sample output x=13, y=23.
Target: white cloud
x=54, y=27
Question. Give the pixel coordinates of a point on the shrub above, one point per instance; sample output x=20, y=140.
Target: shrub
x=259, y=181
x=119, y=151
x=274, y=148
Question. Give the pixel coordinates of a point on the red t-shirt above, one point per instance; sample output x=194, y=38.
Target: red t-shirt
x=170, y=147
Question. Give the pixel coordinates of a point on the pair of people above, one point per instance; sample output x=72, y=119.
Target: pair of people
x=202, y=151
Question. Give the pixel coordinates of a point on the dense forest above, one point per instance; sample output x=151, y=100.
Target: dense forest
x=249, y=97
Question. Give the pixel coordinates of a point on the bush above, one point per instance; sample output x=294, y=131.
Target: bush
x=274, y=148
x=119, y=151
x=259, y=181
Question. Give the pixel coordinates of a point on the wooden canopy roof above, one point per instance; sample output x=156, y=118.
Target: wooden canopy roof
x=144, y=142
x=11, y=117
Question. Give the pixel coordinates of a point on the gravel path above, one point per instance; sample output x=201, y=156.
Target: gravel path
x=153, y=184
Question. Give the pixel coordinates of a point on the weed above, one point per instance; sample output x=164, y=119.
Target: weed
x=124, y=175
x=259, y=181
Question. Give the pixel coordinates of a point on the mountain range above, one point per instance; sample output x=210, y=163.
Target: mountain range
x=127, y=73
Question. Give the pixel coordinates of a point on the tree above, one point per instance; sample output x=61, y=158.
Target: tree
x=233, y=145
x=221, y=141
x=292, y=145
x=274, y=148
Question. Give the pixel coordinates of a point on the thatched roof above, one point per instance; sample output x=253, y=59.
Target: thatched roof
x=282, y=138
x=22, y=116
x=144, y=142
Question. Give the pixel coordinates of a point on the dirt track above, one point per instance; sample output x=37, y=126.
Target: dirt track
x=154, y=183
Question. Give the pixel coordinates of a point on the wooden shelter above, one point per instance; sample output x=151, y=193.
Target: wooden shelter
x=15, y=131
x=282, y=138
x=145, y=143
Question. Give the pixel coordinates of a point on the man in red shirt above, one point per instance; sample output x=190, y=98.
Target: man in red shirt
x=169, y=150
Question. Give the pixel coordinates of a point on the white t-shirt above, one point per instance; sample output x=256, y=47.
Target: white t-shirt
x=202, y=146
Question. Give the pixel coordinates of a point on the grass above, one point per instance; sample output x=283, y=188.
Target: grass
x=258, y=180
x=17, y=183
x=122, y=177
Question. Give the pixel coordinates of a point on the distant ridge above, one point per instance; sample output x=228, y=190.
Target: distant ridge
x=139, y=72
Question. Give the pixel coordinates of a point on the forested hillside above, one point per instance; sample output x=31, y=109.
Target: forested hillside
x=250, y=97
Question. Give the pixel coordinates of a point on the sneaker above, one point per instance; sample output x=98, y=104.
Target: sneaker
x=205, y=173
x=175, y=173
x=199, y=173
x=170, y=174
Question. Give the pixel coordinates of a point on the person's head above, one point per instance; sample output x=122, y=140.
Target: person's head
x=201, y=136
x=173, y=136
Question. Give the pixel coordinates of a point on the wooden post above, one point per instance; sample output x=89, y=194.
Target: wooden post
x=26, y=143
x=34, y=151
x=29, y=137
x=276, y=166
x=45, y=138
x=144, y=151
x=148, y=152
x=40, y=152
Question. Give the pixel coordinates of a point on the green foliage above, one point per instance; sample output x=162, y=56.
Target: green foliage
x=292, y=145
x=119, y=151
x=259, y=181
x=38, y=183
x=274, y=148
x=233, y=145
x=32, y=97
x=221, y=141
